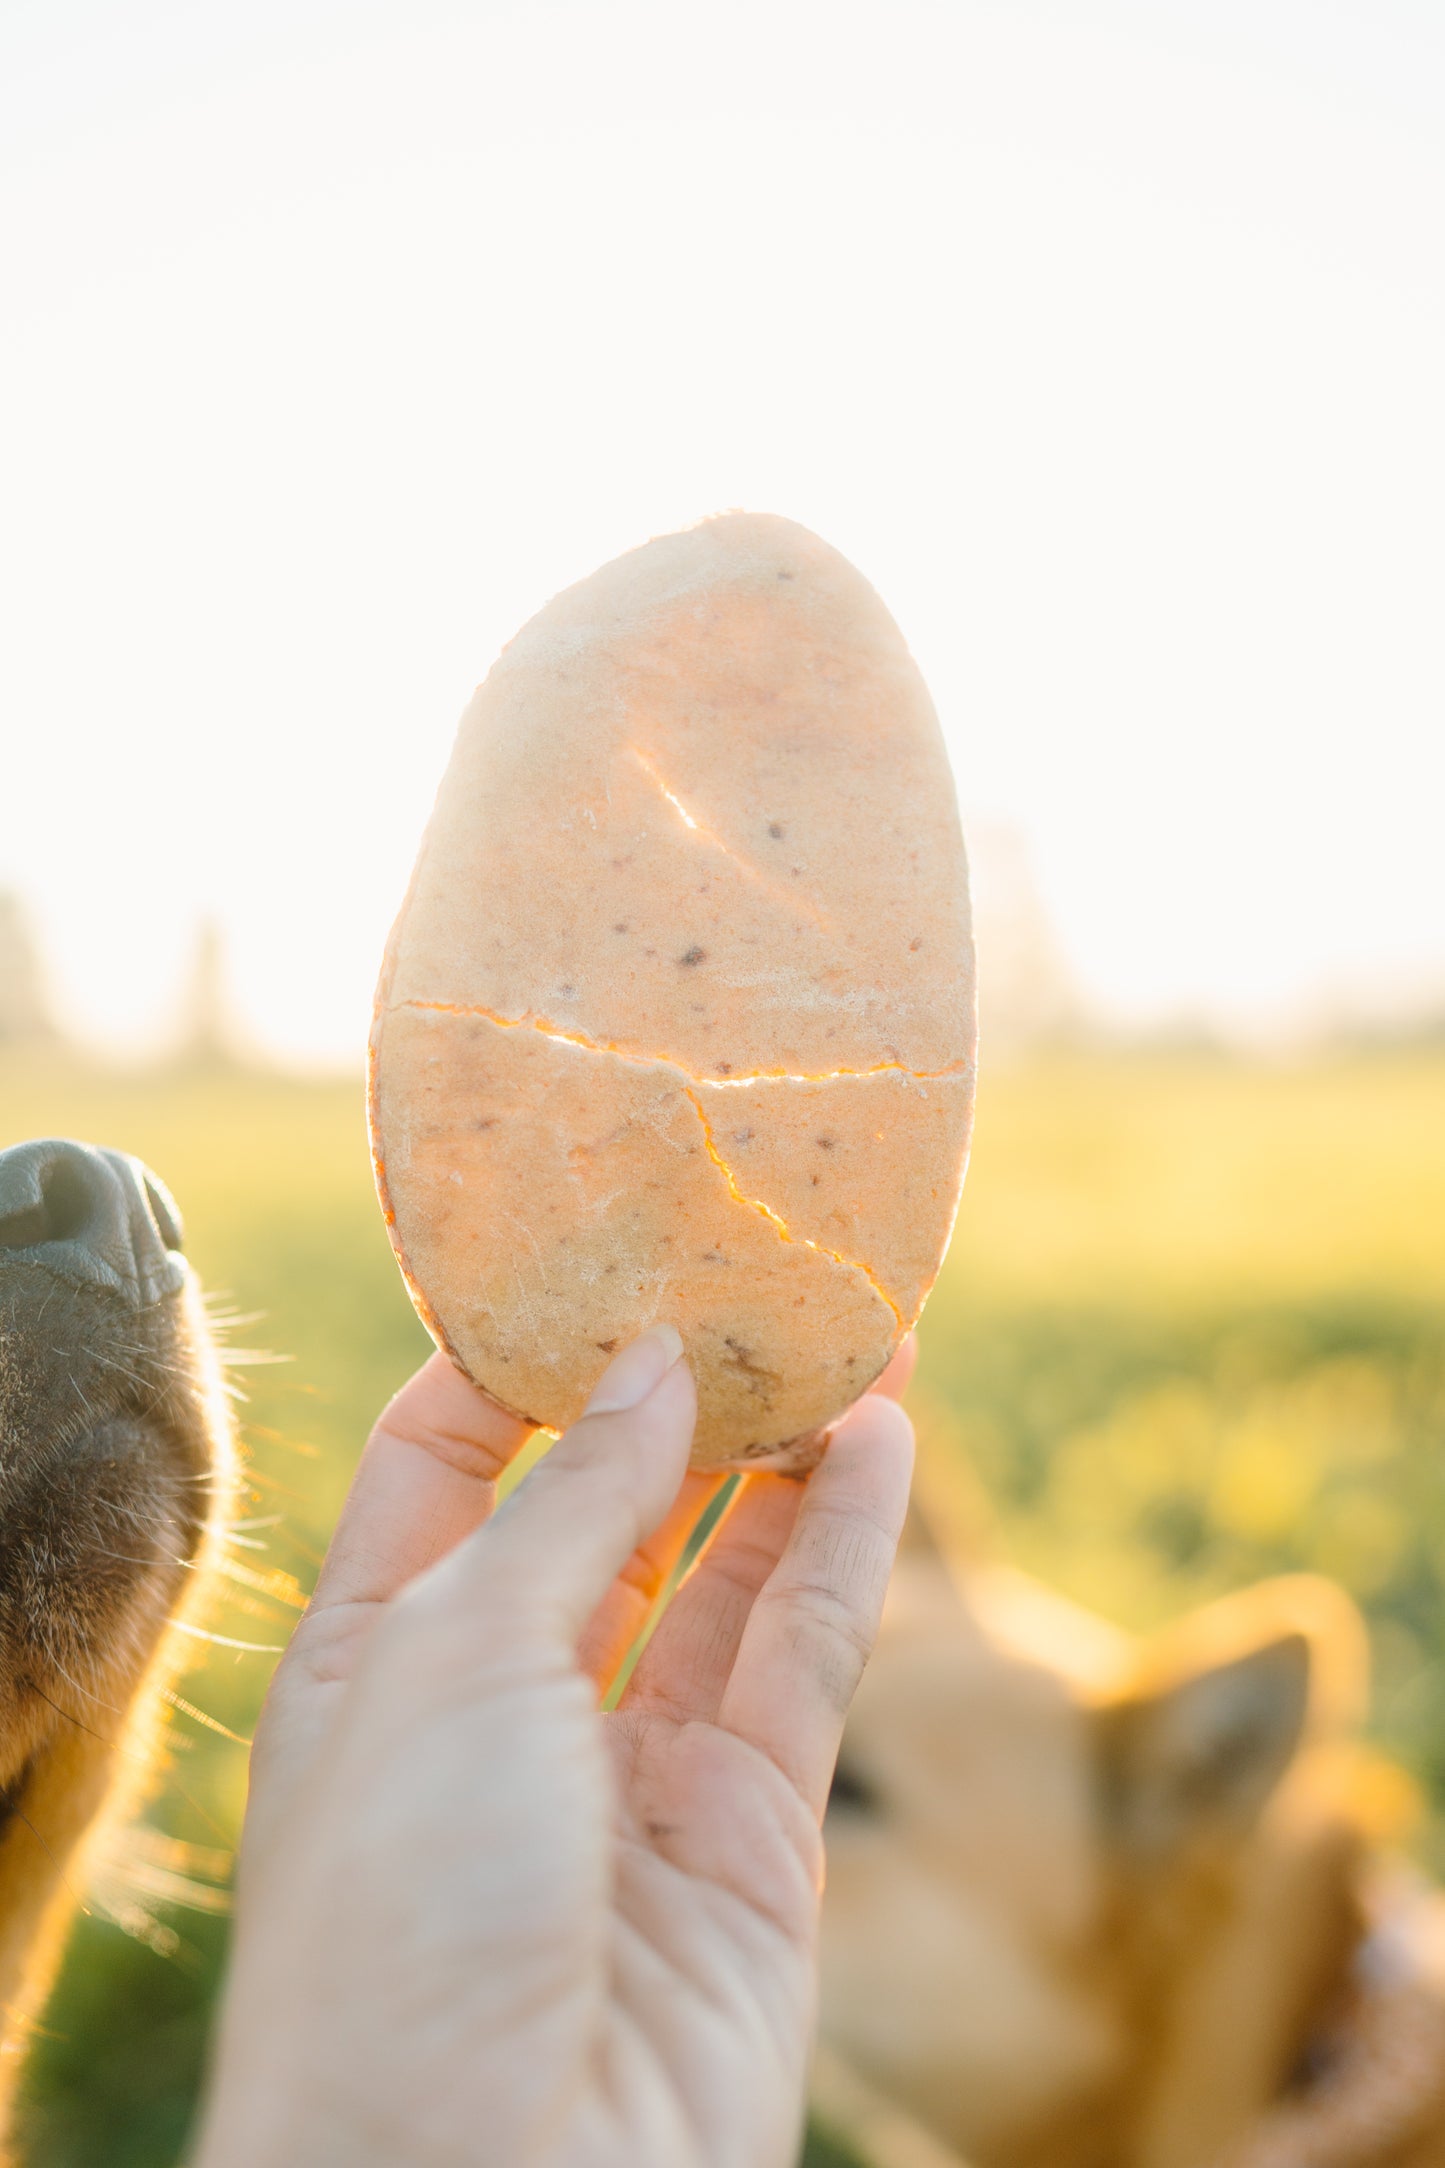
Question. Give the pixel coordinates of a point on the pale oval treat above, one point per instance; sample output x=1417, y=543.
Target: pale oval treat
x=677, y=1021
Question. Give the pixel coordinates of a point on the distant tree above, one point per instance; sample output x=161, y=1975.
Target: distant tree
x=24, y=1013
x=207, y=1036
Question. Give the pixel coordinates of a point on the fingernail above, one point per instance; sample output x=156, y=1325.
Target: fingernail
x=627, y=1382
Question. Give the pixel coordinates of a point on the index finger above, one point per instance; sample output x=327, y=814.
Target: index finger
x=813, y=1624
x=427, y=1478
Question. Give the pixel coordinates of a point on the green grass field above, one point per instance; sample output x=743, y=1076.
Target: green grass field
x=1190, y=1333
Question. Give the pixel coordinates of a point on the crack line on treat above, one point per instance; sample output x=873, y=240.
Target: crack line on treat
x=776, y=1221
x=548, y=1030
x=699, y=828
x=690, y=1088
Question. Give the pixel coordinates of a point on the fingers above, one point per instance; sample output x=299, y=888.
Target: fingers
x=705, y=1620
x=685, y=1667
x=813, y=1624
x=426, y=1479
x=551, y=1554
x=623, y=1611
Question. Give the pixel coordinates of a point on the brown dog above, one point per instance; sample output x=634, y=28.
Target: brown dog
x=1092, y=1905
x=115, y=1457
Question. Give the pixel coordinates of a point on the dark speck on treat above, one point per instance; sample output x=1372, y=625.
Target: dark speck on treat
x=914, y=947
x=759, y=1378
x=776, y=831
x=784, y=575
x=608, y=1347
x=817, y=1178
x=827, y=1144
x=620, y=928
x=566, y=993
x=695, y=955
x=724, y=1068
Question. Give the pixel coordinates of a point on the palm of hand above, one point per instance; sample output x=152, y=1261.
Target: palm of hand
x=709, y=2002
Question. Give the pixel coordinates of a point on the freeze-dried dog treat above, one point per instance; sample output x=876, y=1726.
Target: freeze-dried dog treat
x=677, y=1021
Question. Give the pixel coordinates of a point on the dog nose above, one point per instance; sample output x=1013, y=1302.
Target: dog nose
x=92, y=1217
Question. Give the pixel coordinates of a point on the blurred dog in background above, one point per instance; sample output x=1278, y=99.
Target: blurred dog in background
x=116, y=1452
x=1096, y=1904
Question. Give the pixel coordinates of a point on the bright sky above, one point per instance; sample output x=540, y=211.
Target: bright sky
x=1107, y=338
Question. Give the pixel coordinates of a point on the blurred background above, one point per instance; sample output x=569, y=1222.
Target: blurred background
x=1107, y=339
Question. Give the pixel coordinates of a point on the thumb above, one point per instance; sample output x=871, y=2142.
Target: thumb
x=552, y=1552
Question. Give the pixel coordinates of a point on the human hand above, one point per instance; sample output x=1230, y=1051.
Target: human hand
x=481, y=1922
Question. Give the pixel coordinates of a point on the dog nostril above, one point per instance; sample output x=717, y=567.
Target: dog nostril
x=164, y=1213
x=92, y=1217
x=58, y=1214
x=22, y=1229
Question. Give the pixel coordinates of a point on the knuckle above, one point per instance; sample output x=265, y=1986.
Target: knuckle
x=323, y=1646
x=644, y=1576
x=453, y=1422
x=740, y=1563
x=826, y=1614
x=845, y=1559
x=858, y=1527
x=829, y=1641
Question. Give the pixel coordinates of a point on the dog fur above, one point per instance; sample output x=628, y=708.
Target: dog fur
x=1093, y=1904
x=115, y=1457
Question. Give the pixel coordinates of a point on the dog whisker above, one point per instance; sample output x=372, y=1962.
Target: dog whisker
x=69, y=1715
x=98, y=1699
x=225, y=1641
x=212, y=1723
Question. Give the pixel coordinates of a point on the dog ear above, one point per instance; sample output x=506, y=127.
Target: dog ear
x=1195, y=1759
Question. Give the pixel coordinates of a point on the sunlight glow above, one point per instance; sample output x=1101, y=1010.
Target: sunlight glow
x=1106, y=340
